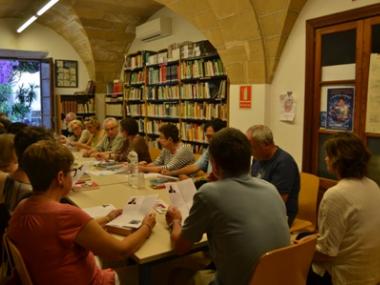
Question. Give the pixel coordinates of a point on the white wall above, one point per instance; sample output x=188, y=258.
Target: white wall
x=290, y=136
x=40, y=38
x=244, y=118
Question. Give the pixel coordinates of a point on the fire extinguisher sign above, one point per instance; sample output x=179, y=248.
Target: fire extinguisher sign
x=245, y=97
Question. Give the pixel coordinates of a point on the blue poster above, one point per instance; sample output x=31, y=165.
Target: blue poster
x=340, y=108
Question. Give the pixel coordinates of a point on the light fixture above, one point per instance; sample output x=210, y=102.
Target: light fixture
x=26, y=24
x=46, y=7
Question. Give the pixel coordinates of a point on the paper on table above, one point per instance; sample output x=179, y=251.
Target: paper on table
x=134, y=211
x=181, y=195
x=99, y=211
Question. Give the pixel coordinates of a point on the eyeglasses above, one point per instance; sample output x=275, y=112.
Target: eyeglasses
x=110, y=129
x=75, y=170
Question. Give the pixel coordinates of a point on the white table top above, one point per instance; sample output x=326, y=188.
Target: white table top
x=158, y=245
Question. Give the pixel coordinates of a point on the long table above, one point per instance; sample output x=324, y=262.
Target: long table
x=113, y=189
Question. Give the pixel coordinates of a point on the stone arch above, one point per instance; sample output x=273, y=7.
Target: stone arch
x=248, y=34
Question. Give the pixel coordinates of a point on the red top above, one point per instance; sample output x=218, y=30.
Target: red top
x=45, y=233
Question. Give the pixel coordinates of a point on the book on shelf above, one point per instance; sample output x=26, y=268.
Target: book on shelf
x=340, y=107
x=114, y=110
x=133, y=214
x=117, y=87
x=181, y=195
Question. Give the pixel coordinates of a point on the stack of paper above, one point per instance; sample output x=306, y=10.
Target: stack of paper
x=181, y=195
x=133, y=214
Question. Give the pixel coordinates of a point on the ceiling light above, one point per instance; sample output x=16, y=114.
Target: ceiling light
x=46, y=7
x=26, y=24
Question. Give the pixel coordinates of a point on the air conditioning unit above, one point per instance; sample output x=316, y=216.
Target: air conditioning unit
x=154, y=29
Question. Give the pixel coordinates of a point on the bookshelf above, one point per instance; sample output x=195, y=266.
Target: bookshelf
x=185, y=84
x=114, y=99
x=82, y=105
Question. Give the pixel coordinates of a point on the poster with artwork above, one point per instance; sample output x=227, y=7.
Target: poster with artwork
x=288, y=107
x=66, y=73
x=340, y=108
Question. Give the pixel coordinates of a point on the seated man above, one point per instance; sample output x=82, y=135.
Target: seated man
x=132, y=141
x=243, y=216
x=174, y=154
x=70, y=116
x=276, y=166
x=203, y=163
x=111, y=142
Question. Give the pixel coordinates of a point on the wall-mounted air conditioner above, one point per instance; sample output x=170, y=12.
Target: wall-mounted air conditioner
x=154, y=29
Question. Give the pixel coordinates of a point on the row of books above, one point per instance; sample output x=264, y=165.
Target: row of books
x=135, y=110
x=114, y=110
x=200, y=68
x=137, y=77
x=86, y=107
x=132, y=93
x=163, y=110
x=163, y=92
x=152, y=126
x=157, y=58
x=204, y=90
x=200, y=90
x=174, y=52
x=193, y=132
x=137, y=60
x=114, y=87
x=173, y=73
x=163, y=74
x=204, y=111
x=74, y=106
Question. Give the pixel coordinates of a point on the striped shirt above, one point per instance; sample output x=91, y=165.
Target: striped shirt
x=182, y=157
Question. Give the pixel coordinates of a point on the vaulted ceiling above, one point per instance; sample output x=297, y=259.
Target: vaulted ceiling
x=248, y=34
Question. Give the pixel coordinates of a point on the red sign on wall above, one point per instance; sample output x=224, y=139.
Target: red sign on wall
x=245, y=97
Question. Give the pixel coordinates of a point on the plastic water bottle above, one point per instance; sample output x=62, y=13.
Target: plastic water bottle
x=133, y=161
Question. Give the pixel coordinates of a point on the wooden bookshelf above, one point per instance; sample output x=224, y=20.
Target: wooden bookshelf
x=184, y=84
x=82, y=105
x=114, y=99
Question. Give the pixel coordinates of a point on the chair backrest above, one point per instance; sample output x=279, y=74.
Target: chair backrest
x=285, y=266
x=307, y=199
x=18, y=261
x=154, y=152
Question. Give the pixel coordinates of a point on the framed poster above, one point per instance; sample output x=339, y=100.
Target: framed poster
x=66, y=73
x=340, y=108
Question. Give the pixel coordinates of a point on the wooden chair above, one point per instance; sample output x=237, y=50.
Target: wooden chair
x=17, y=261
x=306, y=219
x=285, y=266
x=154, y=152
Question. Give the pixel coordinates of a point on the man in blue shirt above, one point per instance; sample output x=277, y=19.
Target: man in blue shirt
x=276, y=166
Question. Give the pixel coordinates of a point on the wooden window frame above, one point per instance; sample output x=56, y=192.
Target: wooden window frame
x=313, y=76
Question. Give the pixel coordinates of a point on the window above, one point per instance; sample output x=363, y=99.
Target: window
x=339, y=49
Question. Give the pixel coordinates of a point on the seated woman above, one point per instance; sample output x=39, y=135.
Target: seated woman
x=348, y=248
x=17, y=184
x=174, y=154
x=60, y=238
x=132, y=141
x=8, y=158
x=91, y=136
x=79, y=134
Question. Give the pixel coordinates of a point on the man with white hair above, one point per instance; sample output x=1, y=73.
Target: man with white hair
x=111, y=143
x=276, y=166
x=70, y=116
